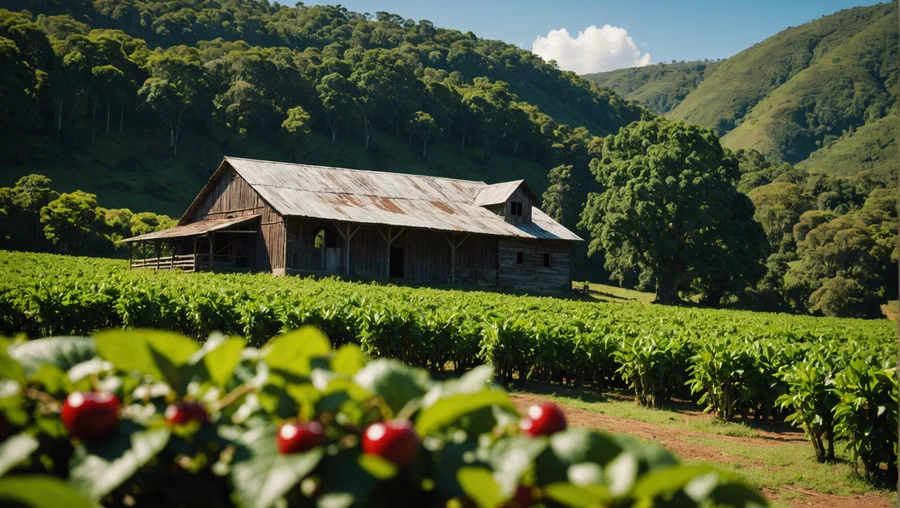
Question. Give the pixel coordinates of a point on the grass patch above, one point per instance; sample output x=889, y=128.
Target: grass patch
x=606, y=293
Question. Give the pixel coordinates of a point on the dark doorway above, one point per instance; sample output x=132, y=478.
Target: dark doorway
x=396, y=266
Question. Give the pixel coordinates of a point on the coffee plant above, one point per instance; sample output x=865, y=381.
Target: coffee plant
x=154, y=418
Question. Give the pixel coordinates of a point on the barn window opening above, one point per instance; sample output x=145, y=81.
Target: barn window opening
x=520, y=258
x=515, y=208
x=546, y=260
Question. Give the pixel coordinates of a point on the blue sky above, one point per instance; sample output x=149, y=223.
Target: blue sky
x=666, y=29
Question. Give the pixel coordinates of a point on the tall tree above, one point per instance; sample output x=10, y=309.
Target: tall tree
x=177, y=87
x=336, y=93
x=423, y=125
x=668, y=204
x=558, y=196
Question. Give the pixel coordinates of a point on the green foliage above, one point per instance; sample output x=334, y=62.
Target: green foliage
x=867, y=414
x=473, y=450
x=659, y=88
x=670, y=211
x=811, y=398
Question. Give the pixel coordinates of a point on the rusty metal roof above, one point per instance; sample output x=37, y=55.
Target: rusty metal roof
x=500, y=192
x=377, y=197
x=193, y=229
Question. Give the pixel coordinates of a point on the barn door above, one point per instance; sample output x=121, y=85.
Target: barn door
x=396, y=268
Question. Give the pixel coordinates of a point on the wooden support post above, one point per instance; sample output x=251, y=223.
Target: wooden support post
x=453, y=245
x=347, y=237
x=194, y=267
x=212, y=250
x=389, y=240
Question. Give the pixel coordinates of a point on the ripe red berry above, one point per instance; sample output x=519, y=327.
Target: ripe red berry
x=543, y=420
x=186, y=412
x=300, y=437
x=91, y=416
x=522, y=498
x=394, y=441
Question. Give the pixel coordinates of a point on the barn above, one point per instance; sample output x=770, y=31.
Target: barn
x=256, y=215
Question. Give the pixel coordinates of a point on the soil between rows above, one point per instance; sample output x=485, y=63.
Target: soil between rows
x=677, y=441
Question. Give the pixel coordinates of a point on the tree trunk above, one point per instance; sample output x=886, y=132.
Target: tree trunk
x=59, y=117
x=333, y=126
x=107, y=117
x=424, y=144
x=667, y=290
x=462, y=145
x=121, y=117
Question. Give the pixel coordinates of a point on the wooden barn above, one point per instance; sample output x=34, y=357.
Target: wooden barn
x=286, y=218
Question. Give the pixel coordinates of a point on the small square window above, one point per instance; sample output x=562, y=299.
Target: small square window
x=546, y=260
x=520, y=258
x=515, y=208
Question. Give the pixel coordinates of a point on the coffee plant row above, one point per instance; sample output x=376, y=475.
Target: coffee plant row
x=735, y=363
x=154, y=418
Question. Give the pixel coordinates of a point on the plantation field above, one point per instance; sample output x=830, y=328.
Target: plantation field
x=831, y=378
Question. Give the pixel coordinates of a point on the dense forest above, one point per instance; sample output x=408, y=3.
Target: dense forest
x=822, y=95
x=134, y=102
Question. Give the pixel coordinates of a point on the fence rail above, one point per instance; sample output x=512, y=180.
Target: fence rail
x=183, y=262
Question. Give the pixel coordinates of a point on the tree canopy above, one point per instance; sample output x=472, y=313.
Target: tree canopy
x=669, y=210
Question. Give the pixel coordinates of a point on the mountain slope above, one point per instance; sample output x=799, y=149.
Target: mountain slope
x=818, y=95
x=659, y=88
x=854, y=84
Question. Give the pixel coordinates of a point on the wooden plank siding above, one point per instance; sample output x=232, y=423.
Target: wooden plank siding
x=426, y=254
x=531, y=274
x=233, y=197
x=523, y=196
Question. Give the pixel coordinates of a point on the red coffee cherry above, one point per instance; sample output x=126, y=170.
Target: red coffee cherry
x=394, y=441
x=91, y=416
x=543, y=420
x=186, y=412
x=300, y=437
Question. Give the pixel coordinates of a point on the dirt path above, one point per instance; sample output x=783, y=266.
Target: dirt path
x=678, y=442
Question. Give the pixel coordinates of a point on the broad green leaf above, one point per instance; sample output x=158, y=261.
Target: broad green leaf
x=221, y=358
x=15, y=450
x=664, y=482
x=51, y=378
x=377, y=466
x=448, y=410
x=276, y=401
x=61, y=352
x=261, y=475
x=395, y=382
x=343, y=480
x=577, y=496
x=472, y=381
x=10, y=369
x=40, y=492
x=511, y=457
x=130, y=350
x=348, y=360
x=621, y=473
x=96, y=469
x=293, y=351
x=479, y=485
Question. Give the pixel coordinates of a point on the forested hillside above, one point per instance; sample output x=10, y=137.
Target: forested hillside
x=821, y=95
x=659, y=87
x=136, y=100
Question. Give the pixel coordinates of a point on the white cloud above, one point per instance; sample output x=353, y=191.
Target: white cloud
x=593, y=50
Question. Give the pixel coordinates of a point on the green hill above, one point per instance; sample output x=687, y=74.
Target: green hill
x=817, y=95
x=659, y=88
x=99, y=95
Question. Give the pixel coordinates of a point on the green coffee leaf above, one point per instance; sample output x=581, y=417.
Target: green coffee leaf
x=14, y=451
x=577, y=496
x=40, y=492
x=130, y=350
x=261, y=475
x=478, y=483
x=61, y=352
x=348, y=360
x=392, y=380
x=293, y=352
x=96, y=469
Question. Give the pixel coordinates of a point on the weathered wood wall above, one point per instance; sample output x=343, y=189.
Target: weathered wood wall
x=231, y=196
x=531, y=275
x=426, y=254
x=523, y=197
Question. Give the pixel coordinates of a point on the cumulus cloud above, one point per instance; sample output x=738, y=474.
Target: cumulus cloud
x=593, y=50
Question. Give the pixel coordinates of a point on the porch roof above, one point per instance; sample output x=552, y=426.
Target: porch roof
x=200, y=228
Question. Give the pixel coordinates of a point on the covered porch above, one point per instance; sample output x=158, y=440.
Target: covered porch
x=211, y=245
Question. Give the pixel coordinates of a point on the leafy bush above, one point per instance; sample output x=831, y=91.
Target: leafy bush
x=292, y=424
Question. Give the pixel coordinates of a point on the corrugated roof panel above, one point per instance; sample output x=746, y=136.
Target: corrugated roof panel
x=376, y=197
x=193, y=229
